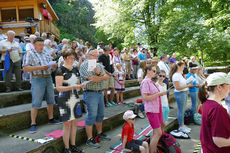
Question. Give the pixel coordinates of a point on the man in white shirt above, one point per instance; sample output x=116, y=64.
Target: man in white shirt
x=15, y=52
x=164, y=66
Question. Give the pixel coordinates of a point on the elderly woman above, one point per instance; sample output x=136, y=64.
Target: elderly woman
x=30, y=45
x=48, y=50
x=215, y=123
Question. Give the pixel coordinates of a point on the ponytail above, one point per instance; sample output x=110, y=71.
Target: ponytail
x=203, y=92
x=175, y=68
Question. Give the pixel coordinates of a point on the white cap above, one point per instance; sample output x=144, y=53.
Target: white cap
x=218, y=78
x=129, y=115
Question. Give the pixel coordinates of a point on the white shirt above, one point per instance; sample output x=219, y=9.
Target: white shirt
x=140, y=73
x=164, y=99
x=29, y=47
x=2, y=37
x=163, y=66
x=16, y=50
x=182, y=81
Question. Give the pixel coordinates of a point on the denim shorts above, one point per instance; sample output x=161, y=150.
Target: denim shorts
x=95, y=107
x=40, y=87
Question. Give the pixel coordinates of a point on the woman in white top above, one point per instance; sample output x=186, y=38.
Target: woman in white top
x=140, y=72
x=180, y=93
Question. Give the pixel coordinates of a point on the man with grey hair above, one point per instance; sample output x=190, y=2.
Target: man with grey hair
x=15, y=51
x=44, y=36
x=60, y=46
x=93, y=97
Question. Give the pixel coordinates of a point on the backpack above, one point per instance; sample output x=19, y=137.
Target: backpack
x=50, y=149
x=188, y=117
x=168, y=144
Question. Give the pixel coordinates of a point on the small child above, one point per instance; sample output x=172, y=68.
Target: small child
x=119, y=83
x=127, y=135
x=164, y=100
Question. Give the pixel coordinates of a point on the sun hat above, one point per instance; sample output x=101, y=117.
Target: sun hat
x=218, y=78
x=129, y=115
x=155, y=59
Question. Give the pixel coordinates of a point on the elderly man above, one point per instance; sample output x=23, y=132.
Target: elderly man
x=93, y=97
x=36, y=62
x=164, y=66
x=15, y=52
x=30, y=46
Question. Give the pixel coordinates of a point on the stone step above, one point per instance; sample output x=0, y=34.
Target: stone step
x=17, y=117
x=112, y=119
x=21, y=97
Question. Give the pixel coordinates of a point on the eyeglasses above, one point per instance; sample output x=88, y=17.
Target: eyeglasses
x=163, y=76
x=70, y=58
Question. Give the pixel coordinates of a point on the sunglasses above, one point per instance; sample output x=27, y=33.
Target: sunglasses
x=163, y=76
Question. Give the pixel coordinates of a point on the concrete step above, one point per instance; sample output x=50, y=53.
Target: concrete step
x=112, y=119
x=22, y=97
x=17, y=117
x=25, y=85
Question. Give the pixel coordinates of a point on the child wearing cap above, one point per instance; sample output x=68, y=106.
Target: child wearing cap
x=127, y=135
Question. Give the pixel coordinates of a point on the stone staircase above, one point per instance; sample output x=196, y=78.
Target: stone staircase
x=15, y=119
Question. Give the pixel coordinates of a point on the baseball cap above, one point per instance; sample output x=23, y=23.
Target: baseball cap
x=218, y=78
x=193, y=66
x=129, y=115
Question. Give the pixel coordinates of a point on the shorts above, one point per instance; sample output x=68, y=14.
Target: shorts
x=155, y=119
x=40, y=87
x=165, y=112
x=110, y=83
x=95, y=107
x=134, y=145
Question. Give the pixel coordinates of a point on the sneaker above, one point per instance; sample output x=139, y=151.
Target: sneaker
x=53, y=121
x=108, y=105
x=103, y=136
x=183, y=129
x=76, y=149
x=113, y=103
x=67, y=150
x=33, y=129
x=91, y=142
x=187, y=128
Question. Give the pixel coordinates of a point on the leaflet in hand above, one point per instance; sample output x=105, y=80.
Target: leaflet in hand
x=190, y=80
x=85, y=82
x=51, y=63
x=92, y=65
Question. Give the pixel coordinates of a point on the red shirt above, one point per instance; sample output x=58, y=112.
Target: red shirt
x=215, y=123
x=127, y=131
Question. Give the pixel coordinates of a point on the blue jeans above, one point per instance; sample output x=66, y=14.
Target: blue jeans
x=194, y=99
x=181, y=100
x=95, y=107
x=40, y=87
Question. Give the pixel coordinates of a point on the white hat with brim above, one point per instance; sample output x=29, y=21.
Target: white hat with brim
x=218, y=78
x=129, y=115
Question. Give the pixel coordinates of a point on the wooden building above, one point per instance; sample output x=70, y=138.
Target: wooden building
x=28, y=16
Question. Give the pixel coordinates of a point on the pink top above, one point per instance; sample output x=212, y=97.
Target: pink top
x=148, y=87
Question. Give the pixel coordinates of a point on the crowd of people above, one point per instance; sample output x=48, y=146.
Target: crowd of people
x=74, y=65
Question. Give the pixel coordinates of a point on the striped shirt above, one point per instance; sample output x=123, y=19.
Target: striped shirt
x=85, y=74
x=33, y=58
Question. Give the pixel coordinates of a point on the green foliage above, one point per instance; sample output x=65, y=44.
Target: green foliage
x=200, y=28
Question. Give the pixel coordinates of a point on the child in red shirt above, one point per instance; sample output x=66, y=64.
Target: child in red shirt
x=127, y=135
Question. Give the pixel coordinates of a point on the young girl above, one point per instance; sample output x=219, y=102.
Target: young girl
x=119, y=83
x=164, y=100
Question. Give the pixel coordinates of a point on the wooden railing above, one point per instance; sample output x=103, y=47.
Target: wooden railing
x=48, y=27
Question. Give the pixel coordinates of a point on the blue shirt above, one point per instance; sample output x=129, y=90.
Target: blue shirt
x=142, y=57
x=193, y=89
